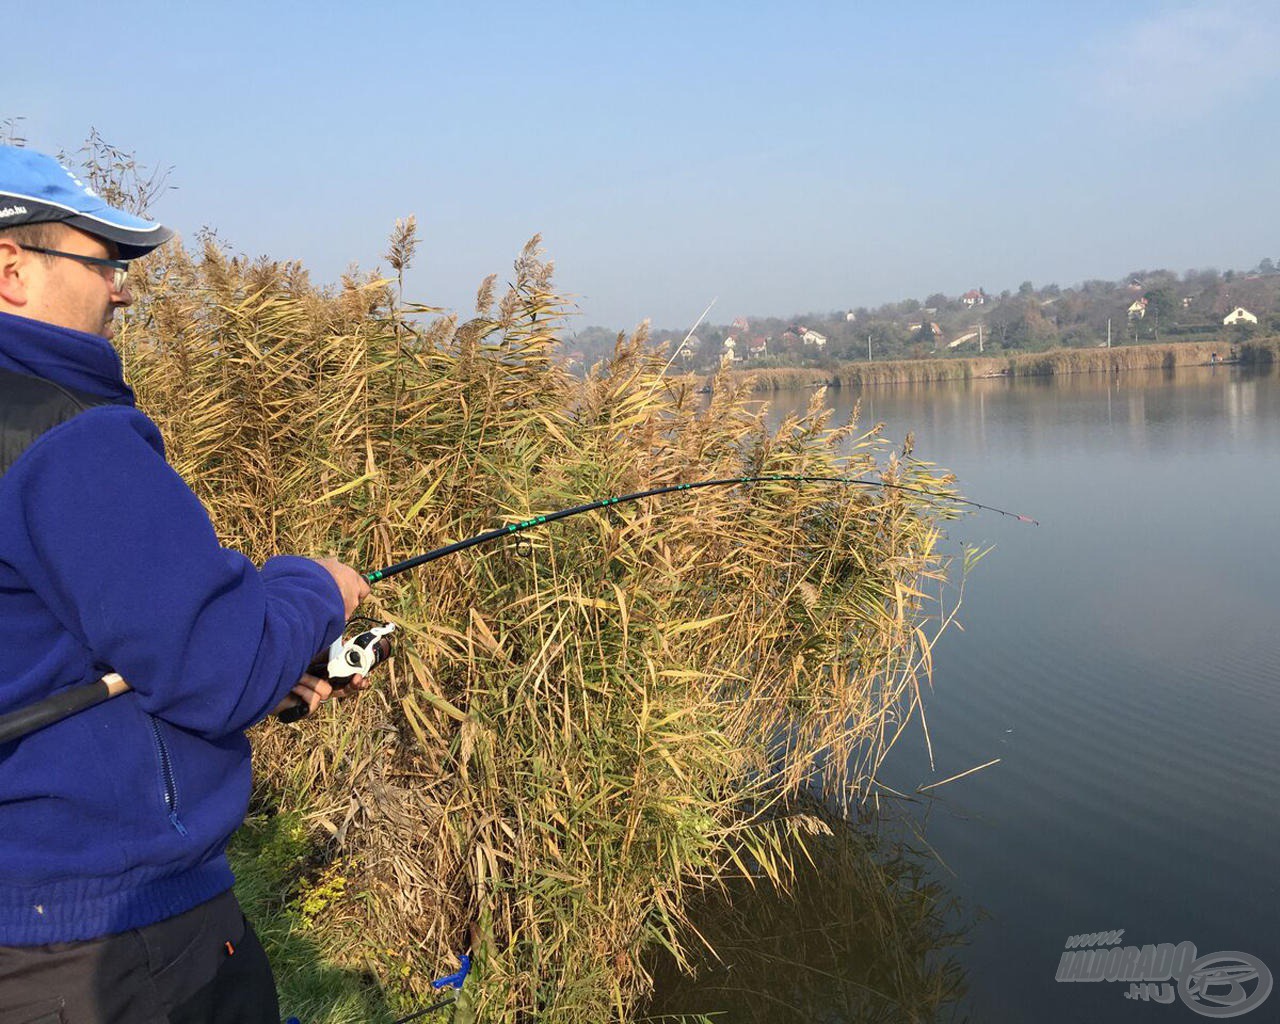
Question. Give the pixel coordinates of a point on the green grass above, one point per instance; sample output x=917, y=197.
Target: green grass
x=270, y=855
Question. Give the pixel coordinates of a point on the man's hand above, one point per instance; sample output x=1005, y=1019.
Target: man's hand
x=354, y=587
x=313, y=692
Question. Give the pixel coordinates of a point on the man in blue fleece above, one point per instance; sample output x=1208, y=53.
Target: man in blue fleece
x=115, y=894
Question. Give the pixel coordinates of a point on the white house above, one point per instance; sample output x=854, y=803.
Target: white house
x=729, y=345
x=972, y=298
x=1239, y=315
x=813, y=338
x=1139, y=309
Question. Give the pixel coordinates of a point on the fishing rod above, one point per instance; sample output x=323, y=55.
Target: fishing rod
x=728, y=481
x=347, y=658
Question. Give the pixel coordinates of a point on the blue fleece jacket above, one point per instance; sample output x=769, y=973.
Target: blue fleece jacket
x=118, y=817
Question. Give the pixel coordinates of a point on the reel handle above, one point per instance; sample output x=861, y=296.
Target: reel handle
x=344, y=660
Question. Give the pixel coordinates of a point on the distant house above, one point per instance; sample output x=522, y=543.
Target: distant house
x=730, y=344
x=1186, y=302
x=740, y=324
x=850, y=316
x=1138, y=309
x=813, y=338
x=757, y=348
x=973, y=297
x=1239, y=315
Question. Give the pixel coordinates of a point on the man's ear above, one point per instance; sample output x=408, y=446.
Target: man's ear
x=13, y=284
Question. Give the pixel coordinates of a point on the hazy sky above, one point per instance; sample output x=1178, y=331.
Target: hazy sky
x=785, y=158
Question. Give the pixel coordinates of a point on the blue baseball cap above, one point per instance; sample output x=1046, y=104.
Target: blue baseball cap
x=36, y=189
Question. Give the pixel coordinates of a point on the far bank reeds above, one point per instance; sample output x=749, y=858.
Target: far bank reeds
x=582, y=729
x=1262, y=351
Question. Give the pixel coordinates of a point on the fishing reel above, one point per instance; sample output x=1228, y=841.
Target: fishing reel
x=347, y=658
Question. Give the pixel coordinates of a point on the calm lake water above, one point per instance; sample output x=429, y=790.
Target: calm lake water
x=1123, y=662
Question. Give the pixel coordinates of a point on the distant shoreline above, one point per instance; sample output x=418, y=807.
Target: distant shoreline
x=1264, y=351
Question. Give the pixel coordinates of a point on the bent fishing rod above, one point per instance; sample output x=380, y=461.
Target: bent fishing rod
x=347, y=658
x=653, y=492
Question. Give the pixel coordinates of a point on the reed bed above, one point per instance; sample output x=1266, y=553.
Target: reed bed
x=1036, y=364
x=585, y=729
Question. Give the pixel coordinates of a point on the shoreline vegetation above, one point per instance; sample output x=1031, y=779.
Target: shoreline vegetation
x=585, y=732
x=1258, y=352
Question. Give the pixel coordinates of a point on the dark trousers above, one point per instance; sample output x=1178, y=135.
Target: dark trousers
x=201, y=967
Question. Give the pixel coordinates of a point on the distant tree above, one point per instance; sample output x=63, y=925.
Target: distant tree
x=1202, y=279
x=1072, y=307
x=1050, y=291
x=887, y=339
x=1026, y=288
x=1266, y=266
x=1163, y=303
x=937, y=301
x=1019, y=323
x=923, y=335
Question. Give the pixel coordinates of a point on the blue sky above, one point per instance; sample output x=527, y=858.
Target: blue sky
x=782, y=158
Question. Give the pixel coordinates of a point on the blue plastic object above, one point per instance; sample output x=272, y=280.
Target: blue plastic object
x=457, y=977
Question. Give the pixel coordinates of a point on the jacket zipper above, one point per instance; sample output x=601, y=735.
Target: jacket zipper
x=167, y=777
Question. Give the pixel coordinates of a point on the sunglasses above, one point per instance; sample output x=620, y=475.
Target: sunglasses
x=119, y=268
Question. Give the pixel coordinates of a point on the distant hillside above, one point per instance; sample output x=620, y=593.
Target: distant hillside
x=1146, y=306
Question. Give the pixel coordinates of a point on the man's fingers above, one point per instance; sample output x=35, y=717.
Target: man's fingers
x=312, y=691
x=354, y=685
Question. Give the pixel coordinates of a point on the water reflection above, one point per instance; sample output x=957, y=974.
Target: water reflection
x=1155, y=409
x=1121, y=660
x=864, y=935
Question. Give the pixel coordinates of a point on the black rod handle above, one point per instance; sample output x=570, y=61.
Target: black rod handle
x=25, y=721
